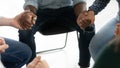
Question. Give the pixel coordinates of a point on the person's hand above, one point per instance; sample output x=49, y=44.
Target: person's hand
x=25, y=20
x=38, y=63
x=3, y=45
x=85, y=19
x=117, y=30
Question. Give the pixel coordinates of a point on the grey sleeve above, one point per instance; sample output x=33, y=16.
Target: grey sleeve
x=31, y=2
x=78, y=1
x=98, y=5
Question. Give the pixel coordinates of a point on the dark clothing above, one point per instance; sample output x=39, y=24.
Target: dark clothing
x=68, y=18
x=108, y=57
x=98, y=5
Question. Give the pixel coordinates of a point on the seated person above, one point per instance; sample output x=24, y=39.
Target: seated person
x=15, y=54
x=18, y=53
x=109, y=56
x=36, y=63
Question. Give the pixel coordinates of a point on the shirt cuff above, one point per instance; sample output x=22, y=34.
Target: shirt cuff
x=33, y=3
x=78, y=1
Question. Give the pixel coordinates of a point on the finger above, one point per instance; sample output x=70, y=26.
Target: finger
x=35, y=60
x=85, y=23
x=2, y=41
x=45, y=64
x=39, y=65
x=25, y=24
x=82, y=22
x=116, y=32
x=2, y=51
x=92, y=21
x=27, y=11
x=81, y=15
x=3, y=48
x=30, y=20
x=86, y=13
x=25, y=21
x=33, y=63
x=33, y=20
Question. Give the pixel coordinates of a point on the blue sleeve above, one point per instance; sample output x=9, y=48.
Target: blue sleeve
x=98, y=5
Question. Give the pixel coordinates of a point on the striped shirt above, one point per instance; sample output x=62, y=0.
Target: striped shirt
x=98, y=5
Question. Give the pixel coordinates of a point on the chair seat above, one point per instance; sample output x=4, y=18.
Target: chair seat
x=54, y=27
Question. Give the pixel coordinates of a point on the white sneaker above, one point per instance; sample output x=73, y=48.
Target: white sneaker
x=76, y=66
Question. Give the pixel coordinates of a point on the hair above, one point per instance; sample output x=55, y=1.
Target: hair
x=116, y=42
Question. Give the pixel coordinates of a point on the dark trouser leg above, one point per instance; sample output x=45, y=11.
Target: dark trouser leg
x=27, y=37
x=84, y=40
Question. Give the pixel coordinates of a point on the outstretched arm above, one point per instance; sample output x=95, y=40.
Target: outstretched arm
x=24, y=20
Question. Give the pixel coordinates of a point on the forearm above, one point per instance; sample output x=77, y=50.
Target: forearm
x=6, y=21
x=78, y=8
x=98, y=5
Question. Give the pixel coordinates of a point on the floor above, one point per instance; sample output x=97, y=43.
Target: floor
x=63, y=58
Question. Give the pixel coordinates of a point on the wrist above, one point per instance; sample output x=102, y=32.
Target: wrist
x=79, y=8
x=31, y=9
x=8, y=21
x=91, y=11
x=11, y=22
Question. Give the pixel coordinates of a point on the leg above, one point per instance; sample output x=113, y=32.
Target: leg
x=101, y=38
x=16, y=55
x=84, y=39
x=27, y=37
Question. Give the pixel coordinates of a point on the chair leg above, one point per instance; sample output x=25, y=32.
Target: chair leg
x=55, y=48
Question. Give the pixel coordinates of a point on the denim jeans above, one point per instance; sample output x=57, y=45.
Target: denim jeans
x=102, y=37
x=67, y=15
x=17, y=55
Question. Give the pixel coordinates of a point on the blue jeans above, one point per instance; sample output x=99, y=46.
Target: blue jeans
x=17, y=55
x=68, y=18
x=102, y=37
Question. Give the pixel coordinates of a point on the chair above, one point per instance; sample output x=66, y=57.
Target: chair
x=53, y=27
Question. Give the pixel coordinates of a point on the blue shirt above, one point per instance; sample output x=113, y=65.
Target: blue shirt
x=54, y=4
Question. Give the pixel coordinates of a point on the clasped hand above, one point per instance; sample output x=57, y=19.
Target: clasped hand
x=25, y=20
x=85, y=19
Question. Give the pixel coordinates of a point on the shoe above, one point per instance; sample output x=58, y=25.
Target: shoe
x=83, y=67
